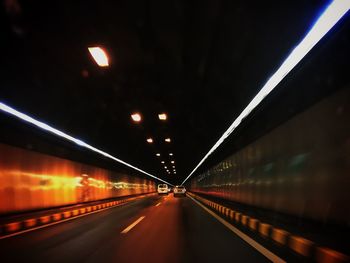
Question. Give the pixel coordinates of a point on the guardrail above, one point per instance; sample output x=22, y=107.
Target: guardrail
x=15, y=227
x=299, y=245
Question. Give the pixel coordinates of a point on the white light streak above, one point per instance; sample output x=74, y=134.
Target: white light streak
x=334, y=12
x=68, y=137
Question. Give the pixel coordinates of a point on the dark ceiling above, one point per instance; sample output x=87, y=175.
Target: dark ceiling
x=199, y=61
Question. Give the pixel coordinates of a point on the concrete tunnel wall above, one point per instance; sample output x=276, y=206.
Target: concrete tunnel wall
x=301, y=168
x=31, y=180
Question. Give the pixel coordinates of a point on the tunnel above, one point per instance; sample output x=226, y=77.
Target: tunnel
x=175, y=131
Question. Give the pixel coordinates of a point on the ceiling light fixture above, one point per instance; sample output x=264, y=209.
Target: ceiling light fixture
x=162, y=162
x=172, y=161
x=162, y=116
x=99, y=55
x=168, y=140
x=171, y=154
x=158, y=154
x=136, y=117
x=70, y=138
x=149, y=140
x=333, y=13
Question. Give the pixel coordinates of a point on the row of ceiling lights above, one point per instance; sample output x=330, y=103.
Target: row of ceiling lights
x=101, y=58
x=150, y=140
x=137, y=118
x=172, y=164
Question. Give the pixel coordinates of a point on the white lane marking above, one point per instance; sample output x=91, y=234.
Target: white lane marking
x=126, y=230
x=267, y=253
x=158, y=204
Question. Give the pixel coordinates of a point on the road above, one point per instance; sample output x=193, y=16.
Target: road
x=154, y=229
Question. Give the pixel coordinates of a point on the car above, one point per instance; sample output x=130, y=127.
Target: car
x=179, y=190
x=163, y=189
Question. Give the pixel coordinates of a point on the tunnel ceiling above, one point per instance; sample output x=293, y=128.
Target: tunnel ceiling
x=198, y=61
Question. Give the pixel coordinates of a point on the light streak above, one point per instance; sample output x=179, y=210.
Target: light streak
x=333, y=13
x=68, y=137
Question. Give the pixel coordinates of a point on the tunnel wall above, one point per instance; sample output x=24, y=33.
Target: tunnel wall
x=300, y=168
x=31, y=180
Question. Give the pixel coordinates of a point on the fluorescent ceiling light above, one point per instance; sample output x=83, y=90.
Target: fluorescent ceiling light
x=99, y=55
x=162, y=116
x=334, y=12
x=136, y=117
x=66, y=136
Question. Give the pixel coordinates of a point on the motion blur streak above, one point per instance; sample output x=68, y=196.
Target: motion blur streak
x=335, y=11
x=30, y=180
x=59, y=133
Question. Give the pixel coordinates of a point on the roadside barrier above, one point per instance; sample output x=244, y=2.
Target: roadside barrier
x=26, y=224
x=299, y=245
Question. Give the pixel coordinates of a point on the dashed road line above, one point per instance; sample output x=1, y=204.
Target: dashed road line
x=126, y=230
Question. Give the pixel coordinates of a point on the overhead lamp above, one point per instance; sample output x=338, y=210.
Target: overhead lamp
x=99, y=55
x=136, y=117
x=149, y=140
x=162, y=162
x=165, y=167
x=168, y=140
x=171, y=154
x=162, y=116
x=172, y=161
x=174, y=167
x=158, y=154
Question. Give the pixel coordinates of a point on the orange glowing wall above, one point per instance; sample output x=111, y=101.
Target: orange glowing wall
x=31, y=180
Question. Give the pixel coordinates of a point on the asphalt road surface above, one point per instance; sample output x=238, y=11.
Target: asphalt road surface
x=154, y=229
